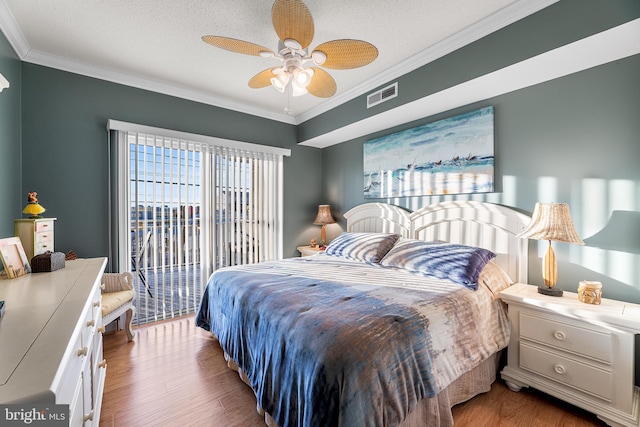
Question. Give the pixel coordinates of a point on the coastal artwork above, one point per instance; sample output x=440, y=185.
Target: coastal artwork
x=450, y=156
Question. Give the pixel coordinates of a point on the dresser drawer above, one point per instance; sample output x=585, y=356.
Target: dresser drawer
x=72, y=371
x=572, y=373
x=91, y=320
x=585, y=342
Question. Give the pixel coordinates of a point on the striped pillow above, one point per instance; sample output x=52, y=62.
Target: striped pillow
x=458, y=263
x=365, y=247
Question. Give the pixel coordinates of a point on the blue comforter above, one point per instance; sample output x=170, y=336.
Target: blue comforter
x=323, y=353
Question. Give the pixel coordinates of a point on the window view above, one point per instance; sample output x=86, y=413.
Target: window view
x=194, y=208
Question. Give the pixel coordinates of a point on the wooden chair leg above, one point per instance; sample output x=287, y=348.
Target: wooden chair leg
x=128, y=322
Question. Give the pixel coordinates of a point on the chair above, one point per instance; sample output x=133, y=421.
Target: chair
x=117, y=298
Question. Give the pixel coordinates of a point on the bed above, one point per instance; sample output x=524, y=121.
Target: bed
x=396, y=323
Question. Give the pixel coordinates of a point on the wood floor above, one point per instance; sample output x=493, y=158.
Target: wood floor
x=174, y=374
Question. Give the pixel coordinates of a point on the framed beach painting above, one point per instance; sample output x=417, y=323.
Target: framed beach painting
x=449, y=156
x=14, y=259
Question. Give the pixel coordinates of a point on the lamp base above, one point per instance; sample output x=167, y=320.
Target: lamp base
x=553, y=292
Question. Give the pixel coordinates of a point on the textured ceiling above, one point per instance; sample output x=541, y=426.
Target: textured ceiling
x=157, y=45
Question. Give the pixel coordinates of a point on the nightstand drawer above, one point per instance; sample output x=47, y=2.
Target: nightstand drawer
x=44, y=237
x=42, y=247
x=44, y=226
x=570, y=372
x=585, y=342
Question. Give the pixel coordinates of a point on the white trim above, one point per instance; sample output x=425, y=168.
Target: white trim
x=12, y=32
x=607, y=46
x=209, y=140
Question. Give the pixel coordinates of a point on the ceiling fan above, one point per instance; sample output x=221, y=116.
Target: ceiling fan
x=294, y=26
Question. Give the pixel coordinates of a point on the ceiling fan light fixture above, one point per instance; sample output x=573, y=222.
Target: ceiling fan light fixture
x=298, y=90
x=280, y=81
x=294, y=26
x=302, y=77
x=318, y=57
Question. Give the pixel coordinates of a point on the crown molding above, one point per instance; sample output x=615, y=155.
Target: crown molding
x=608, y=46
x=59, y=63
x=12, y=32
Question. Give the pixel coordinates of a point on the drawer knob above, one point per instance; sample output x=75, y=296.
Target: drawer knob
x=559, y=369
x=83, y=351
x=559, y=335
x=91, y=322
x=96, y=303
x=89, y=416
x=102, y=364
x=101, y=329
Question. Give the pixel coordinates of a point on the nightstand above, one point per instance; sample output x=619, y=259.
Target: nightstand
x=308, y=250
x=580, y=353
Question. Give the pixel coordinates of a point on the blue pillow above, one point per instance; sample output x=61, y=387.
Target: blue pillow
x=365, y=247
x=459, y=263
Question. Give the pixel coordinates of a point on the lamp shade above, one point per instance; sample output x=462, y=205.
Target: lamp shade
x=552, y=221
x=324, y=216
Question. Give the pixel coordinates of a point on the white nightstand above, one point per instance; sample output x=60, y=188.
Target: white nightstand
x=308, y=250
x=577, y=352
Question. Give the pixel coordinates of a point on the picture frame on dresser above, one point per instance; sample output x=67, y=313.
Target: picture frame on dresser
x=14, y=258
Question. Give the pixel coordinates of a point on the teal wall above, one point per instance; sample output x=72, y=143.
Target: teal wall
x=11, y=199
x=64, y=152
x=574, y=139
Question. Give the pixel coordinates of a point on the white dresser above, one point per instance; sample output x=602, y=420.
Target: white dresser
x=36, y=235
x=580, y=353
x=51, y=335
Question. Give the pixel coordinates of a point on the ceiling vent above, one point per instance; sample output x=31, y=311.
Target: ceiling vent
x=382, y=95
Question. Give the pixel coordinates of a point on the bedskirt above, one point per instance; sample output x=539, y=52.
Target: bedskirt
x=433, y=411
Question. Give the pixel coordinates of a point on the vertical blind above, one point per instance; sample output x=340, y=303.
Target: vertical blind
x=184, y=205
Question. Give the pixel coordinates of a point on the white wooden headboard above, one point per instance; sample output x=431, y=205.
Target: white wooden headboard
x=481, y=224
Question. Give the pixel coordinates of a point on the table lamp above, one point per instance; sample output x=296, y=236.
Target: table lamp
x=551, y=221
x=323, y=218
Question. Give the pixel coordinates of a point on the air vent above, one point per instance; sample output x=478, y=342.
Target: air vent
x=382, y=95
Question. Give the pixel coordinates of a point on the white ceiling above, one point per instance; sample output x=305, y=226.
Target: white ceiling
x=156, y=44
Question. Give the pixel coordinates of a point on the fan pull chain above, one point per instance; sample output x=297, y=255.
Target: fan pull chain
x=288, y=110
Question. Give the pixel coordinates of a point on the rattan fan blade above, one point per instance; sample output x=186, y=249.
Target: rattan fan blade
x=322, y=84
x=346, y=54
x=292, y=20
x=235, y=45
x=262, y=79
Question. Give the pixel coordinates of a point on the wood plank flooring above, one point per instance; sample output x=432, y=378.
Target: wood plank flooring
x=174, y=374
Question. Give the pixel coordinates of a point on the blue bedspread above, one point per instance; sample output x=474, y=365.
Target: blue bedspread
x=322, y=353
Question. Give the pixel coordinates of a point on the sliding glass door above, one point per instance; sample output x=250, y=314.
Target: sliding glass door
x=184, y=208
